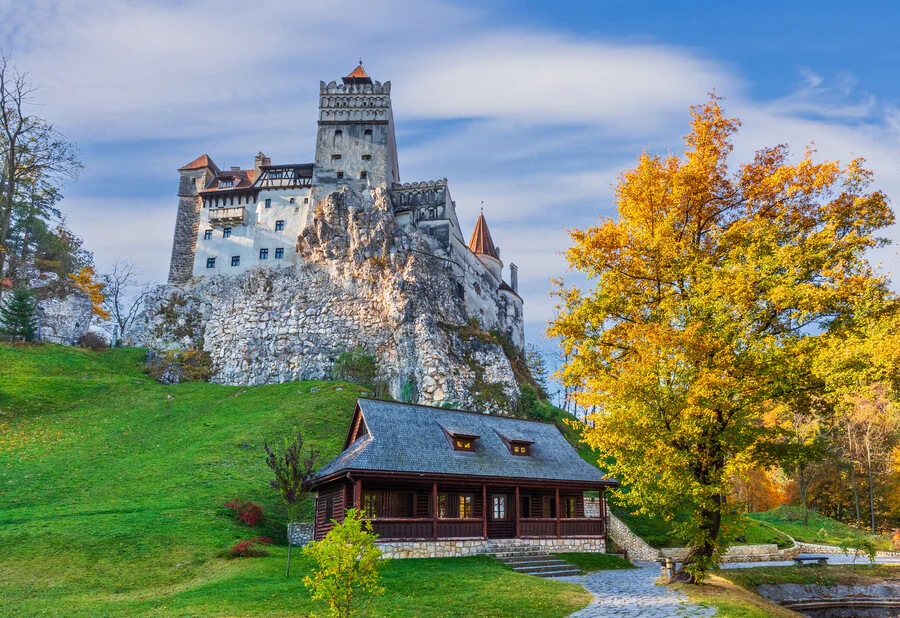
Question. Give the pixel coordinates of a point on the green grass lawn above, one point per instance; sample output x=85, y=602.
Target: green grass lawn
x=595, y=562
x=820, y=529
x=111, y=488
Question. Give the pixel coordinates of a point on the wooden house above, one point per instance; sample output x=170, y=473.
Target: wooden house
x=426, y=474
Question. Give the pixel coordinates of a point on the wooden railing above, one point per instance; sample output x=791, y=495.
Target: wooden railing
x=568, y=526
x=226, y=216
x=423, y=528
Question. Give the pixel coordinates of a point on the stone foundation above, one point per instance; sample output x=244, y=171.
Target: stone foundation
x=451, y=548
x=300, y=534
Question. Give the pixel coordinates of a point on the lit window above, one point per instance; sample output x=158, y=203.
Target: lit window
x=279, y=253
x=463, y=444
x=499, y=507
x=279, y=226
x=226, y=233
x=210, y=262
x=292, y=200
x=235, y=260
x=268, y=203
x=570, y=506
x=207, y=234
x=264, y=254
x=370, y=504
x=465, y=506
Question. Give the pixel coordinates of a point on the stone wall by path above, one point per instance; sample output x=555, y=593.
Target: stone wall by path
x=450, y=548
x=814, y=548
x=740, y=553
x=635, y=547
x=300, y=533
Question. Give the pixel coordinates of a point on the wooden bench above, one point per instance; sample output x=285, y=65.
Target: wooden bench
x=804, y=559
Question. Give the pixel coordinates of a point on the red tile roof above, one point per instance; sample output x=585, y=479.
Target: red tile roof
x=199, y=163
x=243, y=179
x=359, y=72
x=481, y=242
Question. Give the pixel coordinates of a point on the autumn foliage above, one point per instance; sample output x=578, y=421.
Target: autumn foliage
x=712, y=293
x=248, y=513
x=86, y=281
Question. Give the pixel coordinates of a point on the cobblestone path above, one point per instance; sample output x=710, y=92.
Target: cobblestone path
x=633, y=592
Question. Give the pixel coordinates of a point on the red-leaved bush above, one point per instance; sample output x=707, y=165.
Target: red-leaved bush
x=247, y=513
x=249, y=549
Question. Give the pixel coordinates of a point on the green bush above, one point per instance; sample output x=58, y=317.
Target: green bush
x=174, y=367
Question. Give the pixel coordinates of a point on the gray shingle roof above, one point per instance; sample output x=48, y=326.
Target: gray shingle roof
x=409, y=438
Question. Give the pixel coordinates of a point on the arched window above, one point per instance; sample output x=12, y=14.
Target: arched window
x=338, y=139
x=367, y=135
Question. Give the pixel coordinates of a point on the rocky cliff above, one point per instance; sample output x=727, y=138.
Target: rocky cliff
x=364, y=283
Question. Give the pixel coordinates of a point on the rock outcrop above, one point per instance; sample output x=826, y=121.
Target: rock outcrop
x=363, y=283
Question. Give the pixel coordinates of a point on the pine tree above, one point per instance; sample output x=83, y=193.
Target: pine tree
x=17, y=319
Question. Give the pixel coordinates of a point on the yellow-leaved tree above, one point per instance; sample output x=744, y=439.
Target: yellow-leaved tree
x=709, y=295
x=86, y=281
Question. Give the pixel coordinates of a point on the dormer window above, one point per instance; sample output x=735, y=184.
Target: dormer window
x=520, y=448
x=463, y=443
x=226, y=183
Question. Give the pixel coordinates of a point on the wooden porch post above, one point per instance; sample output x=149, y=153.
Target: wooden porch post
x=484, y=510
x=558, y=527
x=357, y=495
x=517, y=511
x=434, y=513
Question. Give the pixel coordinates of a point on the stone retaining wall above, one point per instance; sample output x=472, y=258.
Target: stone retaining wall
x=635, y=547
x=814, y=548
x=741, y=553
x=450, y=548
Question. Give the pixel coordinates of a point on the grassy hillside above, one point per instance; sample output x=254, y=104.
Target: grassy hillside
x=819, y=528
x=111, y=488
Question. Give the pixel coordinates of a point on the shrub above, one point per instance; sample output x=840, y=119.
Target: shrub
x=895, y=540
x=860, y=546
x=251, y=548
x=93, y=341
x=346, y=576
x=357, y=366
x=247, y=512
x=173, y=367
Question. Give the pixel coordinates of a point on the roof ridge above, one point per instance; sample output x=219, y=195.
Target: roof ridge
x=474, y=412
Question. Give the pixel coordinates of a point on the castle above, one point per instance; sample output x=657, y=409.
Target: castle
x=232, y=221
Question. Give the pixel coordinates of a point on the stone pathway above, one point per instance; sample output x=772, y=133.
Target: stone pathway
x=634, y=592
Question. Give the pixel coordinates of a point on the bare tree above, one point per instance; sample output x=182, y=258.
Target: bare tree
x=124, y=294
x=30, y=147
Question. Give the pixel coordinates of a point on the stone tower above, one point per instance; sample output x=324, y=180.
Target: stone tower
x=355, y=143
x=194, y=177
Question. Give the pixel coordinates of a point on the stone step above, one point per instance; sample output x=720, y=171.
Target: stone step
x=507, y=555
x=533, y=568
x=535, y=563
x=560, y=572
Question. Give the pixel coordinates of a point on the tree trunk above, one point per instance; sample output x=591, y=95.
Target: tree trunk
x=871, y=486
x=853, y=476
x=290, y=544
x=802, y=481
x=6, y=213
x=703, y=551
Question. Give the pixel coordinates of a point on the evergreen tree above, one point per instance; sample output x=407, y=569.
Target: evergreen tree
x=17, y=316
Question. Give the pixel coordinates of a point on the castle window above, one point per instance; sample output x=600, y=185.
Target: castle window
x=268, y=203
x=306, y=200
x=210, y=262
x=338, y=139
x=363, y=175
x=264, y=254
x=226, y=233
x=367, y=135
x=226, y=184
x=279, y=253
x=279, y=226
x=292, y=200
x=335, y=157
x=207, y=234
x=235, y=260
x=340, y=175
x=367, y=157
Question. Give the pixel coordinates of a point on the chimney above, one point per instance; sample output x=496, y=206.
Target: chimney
x=514, y=277
x=259, y=161
x=235, y=168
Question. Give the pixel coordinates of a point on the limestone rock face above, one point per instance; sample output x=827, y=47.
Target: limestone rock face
x=363, y=283
x=66, y=319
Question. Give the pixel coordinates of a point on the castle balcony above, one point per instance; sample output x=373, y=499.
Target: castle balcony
x=233, y=215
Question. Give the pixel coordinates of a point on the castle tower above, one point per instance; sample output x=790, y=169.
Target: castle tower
x=482, y=245
x=355, y=143
x=194, y=177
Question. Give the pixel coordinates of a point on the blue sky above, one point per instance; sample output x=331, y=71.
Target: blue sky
x=532, y=107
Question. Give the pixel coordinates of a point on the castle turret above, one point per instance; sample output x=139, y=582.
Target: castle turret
x=482, y=245
x=194, y=177
x=355, y=143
